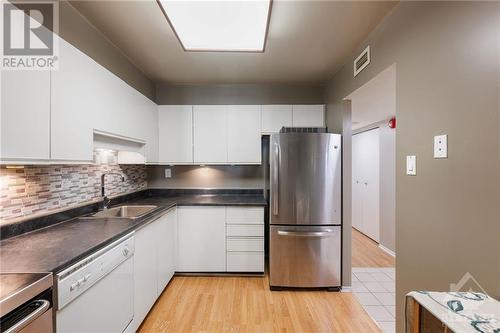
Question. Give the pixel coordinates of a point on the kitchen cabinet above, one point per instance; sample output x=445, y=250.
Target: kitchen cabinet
x=167, y=244
x=25, y=115
x=201, y=239
x=245, y=239
x=243, y=134
x=175, y=123
x=308, y=115
x=76, y=91
x=274, y=117
x=154, y=263
x=210, y=134
x=85, y=97
x=145, y=273
x=366, y=183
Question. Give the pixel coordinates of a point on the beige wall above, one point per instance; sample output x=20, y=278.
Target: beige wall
x=387, y=186
x=75, y=29
x=448, y=82
x=239, y=94
x=195, y=176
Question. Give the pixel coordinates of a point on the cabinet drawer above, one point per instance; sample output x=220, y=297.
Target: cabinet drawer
x=245, y=261
x=245, y=244
x=245, y=215
x=235, y=230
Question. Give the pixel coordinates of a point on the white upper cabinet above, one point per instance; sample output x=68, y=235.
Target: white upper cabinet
x=210, y=134
x=243, y=134
x=175, y=123
x=87, y=97
x=25, y=115
x=309, y=115
x=75, y=104
x=274, y=117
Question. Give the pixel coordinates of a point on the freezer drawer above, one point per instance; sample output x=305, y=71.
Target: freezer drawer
x=305, y=256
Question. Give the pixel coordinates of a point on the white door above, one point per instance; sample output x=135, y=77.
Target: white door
x=202, y=239
x=145, y=272
x=357, y=181
x=166, y=232
x=243, y=134
x=308, y=115
x=274, y=117
x=210, y=134
x=74, y=105
x=25, y=115
x=366, y=180
x=175, y=134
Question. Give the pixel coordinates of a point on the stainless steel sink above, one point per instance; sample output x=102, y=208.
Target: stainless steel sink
x=129, y=212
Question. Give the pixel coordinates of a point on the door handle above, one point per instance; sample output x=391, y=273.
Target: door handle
x=29, y=318
x=328, y=232
x=276, y=179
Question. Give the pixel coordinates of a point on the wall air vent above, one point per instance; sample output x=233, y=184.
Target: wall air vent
x=362, y=61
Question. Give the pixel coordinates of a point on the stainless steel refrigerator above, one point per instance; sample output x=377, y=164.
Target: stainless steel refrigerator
x=305, y=210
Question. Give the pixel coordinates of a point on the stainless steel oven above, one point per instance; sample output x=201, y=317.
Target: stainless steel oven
x=33, y=316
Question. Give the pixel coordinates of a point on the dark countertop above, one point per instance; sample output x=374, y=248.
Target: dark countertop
x=53, y=248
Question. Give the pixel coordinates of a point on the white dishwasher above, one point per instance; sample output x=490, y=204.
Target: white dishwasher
x=97, y=293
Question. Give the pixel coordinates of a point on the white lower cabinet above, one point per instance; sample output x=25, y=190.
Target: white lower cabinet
x=245, y=239
x=245, y=262
x=154, y=264
x=202, y=239
x=167, y=234
x=220, y=239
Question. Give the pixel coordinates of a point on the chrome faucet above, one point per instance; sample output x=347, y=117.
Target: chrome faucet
x=105, y=199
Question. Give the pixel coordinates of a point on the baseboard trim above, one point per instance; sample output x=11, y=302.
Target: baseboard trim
x=346, y=289
x=389, y=251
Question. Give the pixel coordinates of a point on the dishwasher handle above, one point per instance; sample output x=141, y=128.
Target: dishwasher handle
x=42, y=306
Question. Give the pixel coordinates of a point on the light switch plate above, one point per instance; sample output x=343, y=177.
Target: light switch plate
x=441, y=146
x=168, y=173
x=411, y=165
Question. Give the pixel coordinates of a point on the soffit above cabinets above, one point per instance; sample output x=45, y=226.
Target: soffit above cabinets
x=307, y=41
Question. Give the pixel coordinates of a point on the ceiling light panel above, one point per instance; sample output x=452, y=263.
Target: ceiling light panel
x=225, y=25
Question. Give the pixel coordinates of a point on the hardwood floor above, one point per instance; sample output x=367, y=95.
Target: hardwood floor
x=245, y=304
x=366, y=253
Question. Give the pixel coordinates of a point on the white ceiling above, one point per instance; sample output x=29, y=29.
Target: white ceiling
x=375, y=100
x=307, y=41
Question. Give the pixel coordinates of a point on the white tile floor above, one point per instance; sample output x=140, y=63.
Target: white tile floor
x=374, y=288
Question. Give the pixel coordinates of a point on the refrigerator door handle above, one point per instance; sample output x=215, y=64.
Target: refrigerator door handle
x=276, y=179
x=328, y=232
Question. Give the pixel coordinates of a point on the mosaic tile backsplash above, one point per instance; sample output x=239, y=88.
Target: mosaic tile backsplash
x=41, y=189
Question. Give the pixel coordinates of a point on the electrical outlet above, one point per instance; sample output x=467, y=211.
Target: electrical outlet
x=441, y=146
x=411, y=165
x=168, y=173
